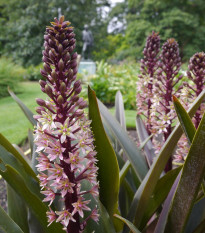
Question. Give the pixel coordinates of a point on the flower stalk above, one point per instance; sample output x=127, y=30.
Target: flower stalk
x=63, y=135
x=164, y=88
x=149, y=65
x=196, y=74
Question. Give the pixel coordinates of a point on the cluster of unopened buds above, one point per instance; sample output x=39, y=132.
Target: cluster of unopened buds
x=63, y=135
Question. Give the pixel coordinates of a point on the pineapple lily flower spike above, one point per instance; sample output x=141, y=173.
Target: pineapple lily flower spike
x=63, y=135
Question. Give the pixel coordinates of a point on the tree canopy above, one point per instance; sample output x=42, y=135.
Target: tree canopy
x=182, y=19
x=22, y=25
x=23, y=28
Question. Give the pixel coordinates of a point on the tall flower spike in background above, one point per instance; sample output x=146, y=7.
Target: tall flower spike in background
x=165, y=86
x=196, y=73
x=146, y=79
x=191, y=90
x=63, y=136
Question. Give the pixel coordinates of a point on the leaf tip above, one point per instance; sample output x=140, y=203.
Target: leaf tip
x=174, y=98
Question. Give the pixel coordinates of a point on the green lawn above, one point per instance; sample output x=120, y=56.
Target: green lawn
x=14, y=125
x=130, y=116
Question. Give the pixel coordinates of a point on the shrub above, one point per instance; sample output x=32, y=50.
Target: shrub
x=33, y=72
x=111, y=78
x=10, y=75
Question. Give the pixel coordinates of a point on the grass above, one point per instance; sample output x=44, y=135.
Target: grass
x=14, y=125
x=130, y=116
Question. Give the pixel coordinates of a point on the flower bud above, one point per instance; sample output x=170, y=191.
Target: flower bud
x=39, y=110
x=71, y=35
x=47, y=67
x=65, y=43
x=78, y=113
x=40, y=102
x=75, y=70
x=61, y=19
x=66, y=57
x=60, y=99
x=70, y=74
x=42, y=83
x=43, y=73
x=82, y=104
x=73, y=64
x=74, y=56
x=46, y=37
x=74, y=98
x=77, y=84
x=48, y=90
x=62, y=87
x=62, y=36
x=45, y=54
x=51, y=56
x=46, y=59
x=54, y=75
x=43, y=89
x=61, y=65
x=51, y=43
x=72, y=42
x=60, y=48
x=78, y=90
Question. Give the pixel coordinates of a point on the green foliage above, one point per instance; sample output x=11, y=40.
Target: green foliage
x=23, y=24
x=150, y=190
x=110, y=48
x=109, y=180
x=109, y=79
x=33, y=73
x=178, y=19
x=10, y=76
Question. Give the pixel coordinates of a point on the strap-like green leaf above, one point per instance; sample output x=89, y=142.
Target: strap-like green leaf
x=119, y=115
x=189, y=184
x=17, y=209
x=129, y=224
x=189, y=130
x=8, y=146
x=161, y=191
x=197, y=217
x=119, y=110
x=200, y=228
x=108, y=173
x=137, y=160
x=8, y=158
x=143, y=136
x=143, y=194
x=39, y=209
x=160, y=227
x=185, y=120
x=23, y=107
x=124, y=171
x=34, y=154
x=7, y=224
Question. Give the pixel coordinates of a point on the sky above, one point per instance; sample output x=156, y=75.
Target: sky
x=115, y=1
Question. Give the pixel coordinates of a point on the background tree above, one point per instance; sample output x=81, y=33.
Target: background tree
x=181, y=19
x=22, y=37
